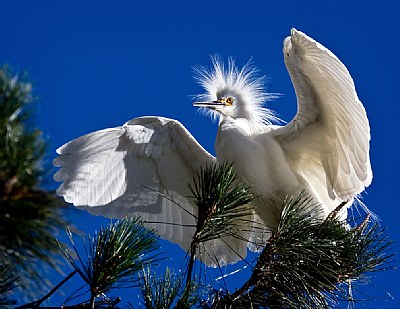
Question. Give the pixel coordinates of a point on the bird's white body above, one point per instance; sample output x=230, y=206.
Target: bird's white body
x=143, y=167
x=259, y=158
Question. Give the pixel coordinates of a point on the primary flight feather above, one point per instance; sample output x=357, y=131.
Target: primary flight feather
x=143, y=167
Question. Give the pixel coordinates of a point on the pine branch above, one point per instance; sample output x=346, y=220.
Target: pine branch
x=114, y=255
x=221, y=198
x=8, y=280
x=168, y=291
x=307, y=260
x=29, y=216
x=37, y=303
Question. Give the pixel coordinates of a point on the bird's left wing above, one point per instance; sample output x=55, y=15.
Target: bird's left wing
x=141, y=168
x=329, y=137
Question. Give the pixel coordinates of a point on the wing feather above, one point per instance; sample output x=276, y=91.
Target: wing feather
x=141, y=168
x=127, y=170
x=331, y=125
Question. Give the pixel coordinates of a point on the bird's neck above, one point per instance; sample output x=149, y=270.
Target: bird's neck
x=244, y=125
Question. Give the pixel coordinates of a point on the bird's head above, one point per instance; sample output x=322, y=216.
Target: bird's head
x=232, y=92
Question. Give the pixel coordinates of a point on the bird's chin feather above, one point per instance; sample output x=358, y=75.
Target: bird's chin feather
x=213, y=114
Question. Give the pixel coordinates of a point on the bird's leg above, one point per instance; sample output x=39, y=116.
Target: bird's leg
x=362, y=224
x=335, y=212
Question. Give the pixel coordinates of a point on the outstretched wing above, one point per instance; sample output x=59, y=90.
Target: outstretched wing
x=328, y=139
x=141, y=168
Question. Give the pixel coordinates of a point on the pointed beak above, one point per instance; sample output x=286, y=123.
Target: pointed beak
x=211, y=104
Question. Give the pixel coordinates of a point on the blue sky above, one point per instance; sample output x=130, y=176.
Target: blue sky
x=97, y=64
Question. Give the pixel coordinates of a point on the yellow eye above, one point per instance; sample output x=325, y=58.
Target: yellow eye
x=229, y=101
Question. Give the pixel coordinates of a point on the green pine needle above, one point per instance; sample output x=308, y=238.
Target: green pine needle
x=22, y=147
x=221, y=198
x=168, y=291
x=29, y=216
x=114, y=255
x=8, y=280
x=307, y=261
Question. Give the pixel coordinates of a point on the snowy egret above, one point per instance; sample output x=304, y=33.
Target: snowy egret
x=143, y=167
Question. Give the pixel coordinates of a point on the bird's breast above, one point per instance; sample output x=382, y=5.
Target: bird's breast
x=260, y=160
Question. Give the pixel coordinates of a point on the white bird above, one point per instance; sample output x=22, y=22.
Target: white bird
x=144, y=166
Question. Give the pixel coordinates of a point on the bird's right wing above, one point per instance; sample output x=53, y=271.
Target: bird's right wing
x=141, y=168
x=329, y=136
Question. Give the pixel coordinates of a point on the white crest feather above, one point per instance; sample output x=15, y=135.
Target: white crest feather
x=243, y=83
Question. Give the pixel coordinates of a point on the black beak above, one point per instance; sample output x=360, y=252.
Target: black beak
x=211, y=104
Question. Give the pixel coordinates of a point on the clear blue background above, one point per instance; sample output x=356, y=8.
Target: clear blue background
x=97, y=64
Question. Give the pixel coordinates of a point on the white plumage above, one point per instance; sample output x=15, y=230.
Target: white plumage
x=143, y=167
